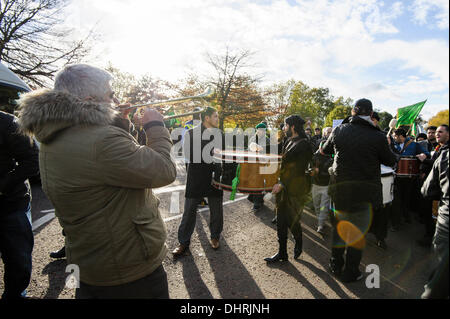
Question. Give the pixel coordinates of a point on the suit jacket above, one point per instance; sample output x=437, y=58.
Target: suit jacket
x=201, y=164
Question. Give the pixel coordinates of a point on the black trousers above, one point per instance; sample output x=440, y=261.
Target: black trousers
x=289, y=211
x=401, y=206
x=426, y=213
x=359, y=217
x=380, y=221
x=153, y=286
x=16, y=246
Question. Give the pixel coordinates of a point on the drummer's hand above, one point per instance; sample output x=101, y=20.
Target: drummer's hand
x=421, y=157
x=388, y=139
x=277, y=188
x=122, y=109
x=151, y=115
x=321, y=150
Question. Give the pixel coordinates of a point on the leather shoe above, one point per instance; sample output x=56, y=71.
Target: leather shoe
x=214, y=243
x=59, y=254
x=276, y=257
x=180, y=250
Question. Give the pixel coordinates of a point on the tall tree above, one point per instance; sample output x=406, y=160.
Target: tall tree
x=442, y=117
x=385, y=118
x=313, y=104
x=139, y=90
x=32, y=42
x=237, y=92
x=340, y=112
x=278, y=100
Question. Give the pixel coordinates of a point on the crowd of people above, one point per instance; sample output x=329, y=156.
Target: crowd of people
x=98, y=169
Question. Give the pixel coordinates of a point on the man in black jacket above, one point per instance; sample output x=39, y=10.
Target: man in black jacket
x=359, y=147
x=199, y=175
x=436, y=187
x=293, y=187
x=18, y=161
x=442, y=140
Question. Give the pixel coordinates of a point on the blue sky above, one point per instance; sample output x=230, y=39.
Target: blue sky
x=395, y=53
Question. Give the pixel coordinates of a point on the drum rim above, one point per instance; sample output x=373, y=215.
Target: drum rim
x=406, y=175
x=245, y=157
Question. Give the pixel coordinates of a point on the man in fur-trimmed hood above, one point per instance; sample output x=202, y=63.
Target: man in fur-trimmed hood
x=99, y=180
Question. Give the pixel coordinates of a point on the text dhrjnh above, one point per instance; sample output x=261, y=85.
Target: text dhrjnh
x=247, y=309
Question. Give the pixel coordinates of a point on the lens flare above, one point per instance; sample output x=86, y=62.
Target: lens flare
x=352, y=227
x=351, y=234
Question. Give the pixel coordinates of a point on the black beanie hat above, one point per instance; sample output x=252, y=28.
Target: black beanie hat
x=363, y=107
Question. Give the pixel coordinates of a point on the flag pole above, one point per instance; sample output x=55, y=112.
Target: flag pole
x=410, y=126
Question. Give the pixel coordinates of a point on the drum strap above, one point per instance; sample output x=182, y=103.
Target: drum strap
x=235, y=182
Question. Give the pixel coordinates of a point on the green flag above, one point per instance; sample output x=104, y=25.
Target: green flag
x=408, y=114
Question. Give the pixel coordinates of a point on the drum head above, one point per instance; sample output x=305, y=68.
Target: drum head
x=233, y=156
x=386, y=170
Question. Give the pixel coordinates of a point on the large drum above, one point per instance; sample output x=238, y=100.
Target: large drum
x=408, y=166
x=387, y=180
x=258, y=173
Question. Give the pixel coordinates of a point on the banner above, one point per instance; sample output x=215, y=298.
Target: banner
x=408, y=114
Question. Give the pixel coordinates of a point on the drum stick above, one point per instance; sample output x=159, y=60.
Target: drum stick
x=392, y=125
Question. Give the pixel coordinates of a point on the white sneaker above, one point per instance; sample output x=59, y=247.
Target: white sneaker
x=321, y=230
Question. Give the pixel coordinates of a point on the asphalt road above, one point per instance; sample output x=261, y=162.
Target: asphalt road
x=237, y=268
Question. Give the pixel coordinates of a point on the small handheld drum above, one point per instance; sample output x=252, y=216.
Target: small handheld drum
x=258, y=173
x=408, y=166
x=387, y=180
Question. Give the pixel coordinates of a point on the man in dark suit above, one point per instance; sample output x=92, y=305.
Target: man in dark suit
x=198, y=185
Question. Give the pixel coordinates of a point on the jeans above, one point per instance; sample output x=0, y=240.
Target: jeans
x=189, y=219
x=321, y=201
x=16, y=246
x=349, y=230
x=153, y=286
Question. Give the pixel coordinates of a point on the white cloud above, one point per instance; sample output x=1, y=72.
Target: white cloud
x=438, y=9
x=335, y=44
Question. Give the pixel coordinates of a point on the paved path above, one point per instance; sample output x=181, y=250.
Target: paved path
x=237, y=268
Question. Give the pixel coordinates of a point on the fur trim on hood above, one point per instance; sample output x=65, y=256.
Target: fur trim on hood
x=44, y=113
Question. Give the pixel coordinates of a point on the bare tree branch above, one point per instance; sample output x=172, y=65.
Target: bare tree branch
x=32, y=42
